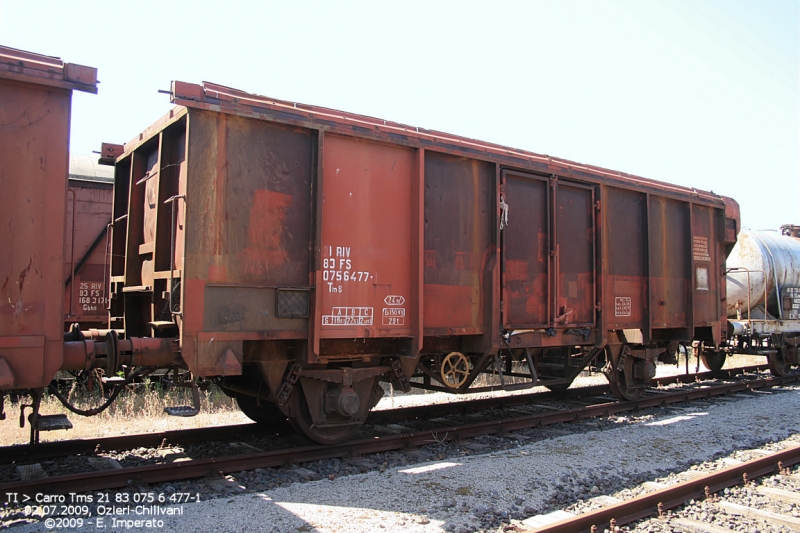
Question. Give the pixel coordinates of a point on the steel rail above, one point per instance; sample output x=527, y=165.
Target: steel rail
x=46, y=450
x=110, y=479
x=647, y=505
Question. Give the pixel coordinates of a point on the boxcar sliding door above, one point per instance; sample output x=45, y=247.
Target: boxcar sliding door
x=548, y=274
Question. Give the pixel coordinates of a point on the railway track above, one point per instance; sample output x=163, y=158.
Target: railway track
x=140, y=476
x=47, y=450
x=656, y=504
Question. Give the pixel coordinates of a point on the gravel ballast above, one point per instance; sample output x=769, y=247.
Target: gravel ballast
x=482, y=492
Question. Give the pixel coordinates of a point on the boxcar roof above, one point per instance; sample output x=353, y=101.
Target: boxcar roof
x=84, y=167
x=214, y=97
x=46, y=70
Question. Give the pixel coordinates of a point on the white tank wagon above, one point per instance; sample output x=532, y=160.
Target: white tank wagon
x=763, y=296
x=768, y=264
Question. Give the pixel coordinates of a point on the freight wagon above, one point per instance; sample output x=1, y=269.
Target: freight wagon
x=301, y=255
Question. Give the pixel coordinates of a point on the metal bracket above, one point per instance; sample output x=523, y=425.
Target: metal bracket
x=517, y=386
x=112, y=352
x=289, y=379
x=186, y=410
x=36, y=396
x=399, y=377
x=624, y=353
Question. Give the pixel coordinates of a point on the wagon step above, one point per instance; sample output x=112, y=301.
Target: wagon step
x=52, y=422
x=187, y=410
x=182, y=410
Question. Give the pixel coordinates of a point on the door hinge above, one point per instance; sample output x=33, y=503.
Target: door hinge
x=597, y=205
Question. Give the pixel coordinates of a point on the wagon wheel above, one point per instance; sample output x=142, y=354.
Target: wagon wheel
x=264, y=413
x=304, y=424
x=454, y=370
x=777, y=363
x=713, y=360
x=621, y=380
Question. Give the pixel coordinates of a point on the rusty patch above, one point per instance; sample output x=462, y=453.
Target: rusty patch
x=265, y=248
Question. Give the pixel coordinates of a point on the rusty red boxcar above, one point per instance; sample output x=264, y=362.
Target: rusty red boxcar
x=35, y=97
x=303, y=254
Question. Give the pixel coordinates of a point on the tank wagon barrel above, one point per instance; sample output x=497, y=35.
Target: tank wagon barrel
x=763, y=286
x=772, y=260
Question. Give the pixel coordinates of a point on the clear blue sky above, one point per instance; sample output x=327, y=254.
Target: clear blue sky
x=702, y=93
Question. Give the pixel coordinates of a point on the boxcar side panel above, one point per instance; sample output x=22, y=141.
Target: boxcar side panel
x=670, y=243
x=526, y=252
x=625, y=258
x=247, y=234
x=549, y=253
x=365, y=280
x=268, y=203
x=705, y=261
x=575, y=241
x=458, y=212
x=88, y=215
x=34, y=133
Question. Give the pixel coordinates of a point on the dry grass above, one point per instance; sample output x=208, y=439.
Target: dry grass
x=134, y=411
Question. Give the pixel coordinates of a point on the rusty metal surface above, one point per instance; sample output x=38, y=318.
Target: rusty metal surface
x=547, y=281
x=526, y=249
x=248, y=224
x=86, y=252
x=250, y=198
x=35, y=100
x=549, y=244
x=626, y=259
x=219, y=224
x=109, y=152
x=670, y=279
x=575, y=255
x=458, y=202
x=707, y=282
